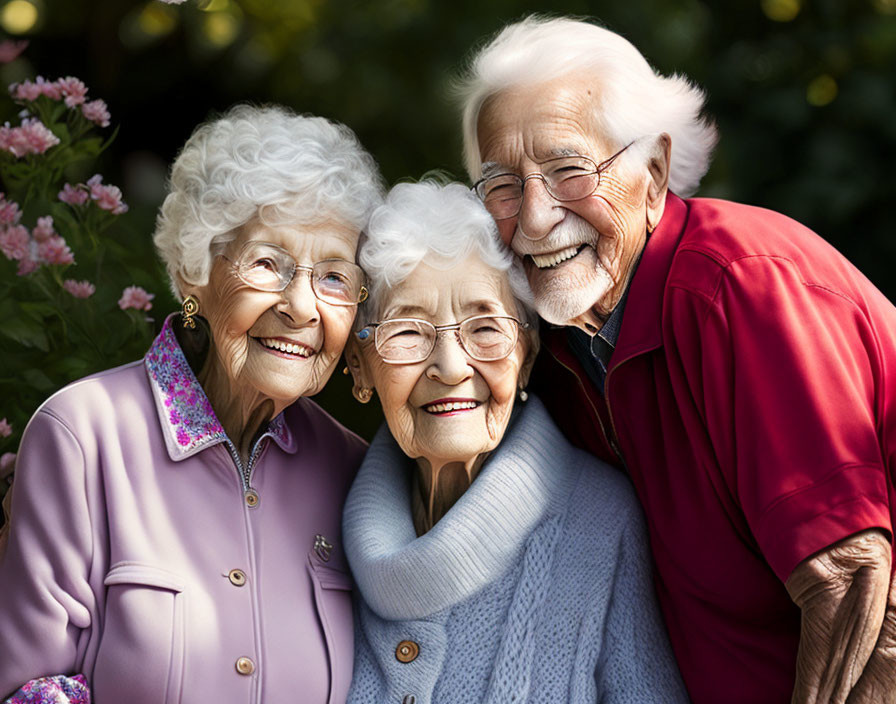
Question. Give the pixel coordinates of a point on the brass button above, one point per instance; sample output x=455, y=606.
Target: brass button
x=245, y=666
x=407, y=651
x=237, y=577
x=252, y=498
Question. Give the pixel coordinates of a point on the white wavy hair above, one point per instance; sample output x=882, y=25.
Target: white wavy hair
x=441, y=225
x=259, y=162
x=634, y=100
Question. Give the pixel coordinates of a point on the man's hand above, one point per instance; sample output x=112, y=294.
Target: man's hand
x=877, y=685
x=842, y=592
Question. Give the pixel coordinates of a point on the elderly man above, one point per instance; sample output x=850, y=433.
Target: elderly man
x=740, y=369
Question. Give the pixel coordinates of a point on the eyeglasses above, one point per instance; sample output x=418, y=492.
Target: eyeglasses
x=566, y=178
x=485, y=338
x=267, y=267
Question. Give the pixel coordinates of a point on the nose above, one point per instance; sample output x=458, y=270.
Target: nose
x=448, y=362
x=298, y=302
x=539, y=210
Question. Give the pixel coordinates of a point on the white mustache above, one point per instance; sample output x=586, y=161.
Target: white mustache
x=572, y=231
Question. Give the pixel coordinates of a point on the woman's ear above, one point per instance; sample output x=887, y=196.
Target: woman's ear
x=359, y=368
x=533, y=343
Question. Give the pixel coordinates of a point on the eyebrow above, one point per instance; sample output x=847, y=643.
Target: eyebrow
x=483, y=305
x=493, y=168
x=407, y=311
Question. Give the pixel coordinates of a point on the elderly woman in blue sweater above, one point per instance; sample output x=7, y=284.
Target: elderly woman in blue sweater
x=495, y=562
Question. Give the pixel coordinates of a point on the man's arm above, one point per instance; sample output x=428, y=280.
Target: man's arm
x=843, y=594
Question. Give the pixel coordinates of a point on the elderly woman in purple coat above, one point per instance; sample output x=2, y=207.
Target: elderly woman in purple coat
x=175, y=523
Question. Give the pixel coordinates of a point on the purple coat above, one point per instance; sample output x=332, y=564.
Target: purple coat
x=141, y=555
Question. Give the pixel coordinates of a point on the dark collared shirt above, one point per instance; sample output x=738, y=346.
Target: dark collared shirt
x=594, y=351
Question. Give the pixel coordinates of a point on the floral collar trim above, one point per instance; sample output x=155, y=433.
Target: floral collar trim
x=188, y=420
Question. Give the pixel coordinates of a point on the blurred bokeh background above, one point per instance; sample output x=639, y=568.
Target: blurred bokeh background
x=804, y=92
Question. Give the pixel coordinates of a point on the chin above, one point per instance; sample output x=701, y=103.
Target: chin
x=561, y=298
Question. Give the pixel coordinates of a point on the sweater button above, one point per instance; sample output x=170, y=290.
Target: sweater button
x=237, y=577
x=407, y=651
x=245, y=666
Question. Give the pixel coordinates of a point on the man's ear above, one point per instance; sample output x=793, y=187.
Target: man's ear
x=533, y=345
x=659, y=161
x=359, y=368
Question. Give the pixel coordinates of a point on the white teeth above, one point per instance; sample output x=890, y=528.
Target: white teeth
x=453, y=406
x=289, y=348
x=543, y=261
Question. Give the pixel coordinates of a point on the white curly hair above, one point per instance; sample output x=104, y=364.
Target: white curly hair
x=259, y=162
x=634, y=100
x=440, y=224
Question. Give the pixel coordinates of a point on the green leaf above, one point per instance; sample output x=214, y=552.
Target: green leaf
x=36, y=379
x=26, y=333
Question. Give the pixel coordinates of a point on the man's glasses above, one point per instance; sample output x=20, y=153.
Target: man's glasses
x=485, y=338
x=267, y=267
x=566, y=178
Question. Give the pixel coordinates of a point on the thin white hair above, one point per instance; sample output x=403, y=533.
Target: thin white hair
x=441, y=225
x=264, y=163
x=633, y=101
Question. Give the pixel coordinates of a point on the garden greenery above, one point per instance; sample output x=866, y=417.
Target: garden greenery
x=67, y=303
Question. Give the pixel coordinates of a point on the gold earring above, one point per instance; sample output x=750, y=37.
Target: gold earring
x=190, y=308
x=364, y=394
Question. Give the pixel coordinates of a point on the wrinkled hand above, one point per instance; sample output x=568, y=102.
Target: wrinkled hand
x=843, y=594
x=877, y=685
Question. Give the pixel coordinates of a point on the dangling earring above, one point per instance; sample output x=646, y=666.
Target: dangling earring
x=190, y=308
x=364, y=394
x=523, y=395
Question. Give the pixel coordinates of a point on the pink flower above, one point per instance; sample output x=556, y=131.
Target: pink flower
x=10, y=50
x=97, y=112
x=135, y=297
x=107, y=197
x=51, y=89
x=5, y=428
x=9, y=211
x=27, y=265
x=44, y=229
x=31, y=138
x=55, y=251
x=79, y=289
x=73, y=89
x=7, y=464
x=73, y=195
x=27, y=91
x=15, y=242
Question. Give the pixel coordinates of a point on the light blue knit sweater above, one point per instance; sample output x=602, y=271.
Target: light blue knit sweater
x=535, y=587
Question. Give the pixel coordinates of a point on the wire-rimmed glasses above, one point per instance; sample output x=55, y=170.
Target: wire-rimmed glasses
x=486, y=338
x=268, y=267
x=566, y=178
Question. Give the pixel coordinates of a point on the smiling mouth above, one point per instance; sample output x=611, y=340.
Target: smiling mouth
x=552, y=259
x=284, y=348
x=446, y=407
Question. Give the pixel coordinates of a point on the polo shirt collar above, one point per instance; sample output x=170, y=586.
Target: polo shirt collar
x=641, y=329
x=186, y=416
x=642, y=326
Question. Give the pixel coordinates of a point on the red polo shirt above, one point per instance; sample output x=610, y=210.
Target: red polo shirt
x=752, y=399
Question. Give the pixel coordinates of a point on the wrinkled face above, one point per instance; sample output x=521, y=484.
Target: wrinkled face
x=279, y=345
x=450, y=407
x=577, y=254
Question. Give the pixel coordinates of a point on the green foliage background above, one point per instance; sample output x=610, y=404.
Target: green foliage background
x=804, y=92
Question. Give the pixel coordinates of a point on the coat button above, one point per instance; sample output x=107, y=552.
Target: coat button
x=237, y=577
x=245, y=666
x=252, y=498
x=407, y=651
